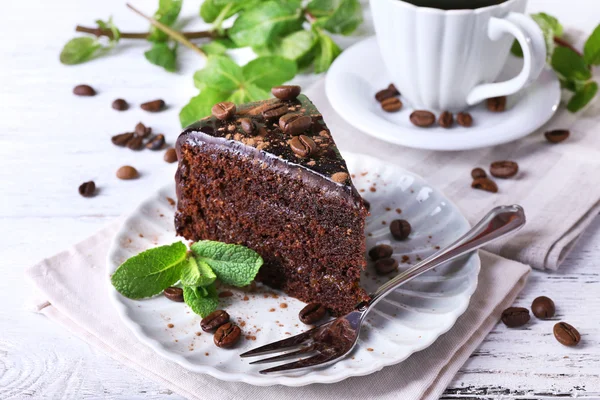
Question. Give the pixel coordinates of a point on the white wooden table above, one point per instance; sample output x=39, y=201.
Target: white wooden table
x=51, y=141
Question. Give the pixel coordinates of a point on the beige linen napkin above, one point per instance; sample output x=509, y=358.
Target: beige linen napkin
x=73, y=291
x=558, y=185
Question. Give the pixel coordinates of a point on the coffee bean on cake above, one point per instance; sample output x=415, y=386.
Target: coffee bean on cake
x=247, y=125
x=400, y=229
x=274, y=110
x=223, y=110
x=422, y=118
x=303, y=146
x=286, y=92
x=153, y=106
x=294, y=123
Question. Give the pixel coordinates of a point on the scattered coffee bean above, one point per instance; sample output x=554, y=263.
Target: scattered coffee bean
x=400, y=229
x=446, y=119
x=156, y=143
x=485, y=184
x=496, y=104
x=286, y=92
x=174, y=293
x=340, y=177
x=367, y=204
x=422, y=118
x=142, y=130
x=566, y=334
x=312, y=313
x=227, y=335
x=274, y=110
x=464, y=119
x=515, y=316
x=392, y=88
x=122, y=139
x=214, y=320
x=386, y=265
x=303, y=146
x=294, y=124
x=84, y=90
x=381, y=251
x=87, y=189
x=170, y=155
x=543, y=307
x=385, y=94
x=120, y=105
x=557, y=135
x=153, y=106
x=127, y=172
x=392, y=104
x=247, y=125
x=223, y=110
x=136, y=143
x=478, y=173
x=504, y=169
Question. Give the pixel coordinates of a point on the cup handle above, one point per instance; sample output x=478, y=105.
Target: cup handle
x=531, y=39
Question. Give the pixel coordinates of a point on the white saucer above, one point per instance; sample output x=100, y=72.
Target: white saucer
x=358, y=73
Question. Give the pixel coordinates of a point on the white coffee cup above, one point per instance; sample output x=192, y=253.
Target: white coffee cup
x=447, y=59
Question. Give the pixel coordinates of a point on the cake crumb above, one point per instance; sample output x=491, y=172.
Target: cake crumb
x=226, y=293
x=198, y=333
x=250, y=337
x=170, y=326
x=272, y=310
x=140, y=235
x=369, y=349
x=206, y=354
x=383, y=223
x=283, y=305
x=171, y=201
x=388, y=209
x=373, y=189
x=245, y=298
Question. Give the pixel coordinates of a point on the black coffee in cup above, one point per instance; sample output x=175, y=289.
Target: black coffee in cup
x=454, y=4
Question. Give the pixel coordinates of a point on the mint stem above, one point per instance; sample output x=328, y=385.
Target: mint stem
x=169, y=32
x=140, y=35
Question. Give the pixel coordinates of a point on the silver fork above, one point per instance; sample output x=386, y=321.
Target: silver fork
x=329, y=342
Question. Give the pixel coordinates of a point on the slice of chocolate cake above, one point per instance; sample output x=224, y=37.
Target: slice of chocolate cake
x=269, y=176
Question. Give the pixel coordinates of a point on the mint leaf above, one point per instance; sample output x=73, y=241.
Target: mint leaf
x=570, y=65
x=220, y=73
x=167, y=13
x=109, y=25
x=327, y=51
x=163, y=55
x=194, y=273
x=266, y=72
x=582, y=97
x=336, y=16
x=200, y=106
x=219, y=10
x=516, y=49
x=233, y=264
x=150, y=272
x=202, y=301
x=547, y=21
x=214, y=48
x=79, y=50
x=248, y=92
x=297, y=46
x=264, y=22
x=591, y=49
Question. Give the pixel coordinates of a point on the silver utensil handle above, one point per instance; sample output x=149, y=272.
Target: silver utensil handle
x=499, y=222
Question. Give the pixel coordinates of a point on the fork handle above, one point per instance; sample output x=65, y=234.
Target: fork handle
x=499, y=222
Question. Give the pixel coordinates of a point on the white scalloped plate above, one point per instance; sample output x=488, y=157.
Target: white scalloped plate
x=409, y=320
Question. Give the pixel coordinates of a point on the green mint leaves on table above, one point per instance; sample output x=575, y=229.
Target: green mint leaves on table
x=152, y=271
x=290, y=35
x=574, y=69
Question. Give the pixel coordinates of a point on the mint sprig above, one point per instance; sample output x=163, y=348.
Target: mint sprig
x=152, y=271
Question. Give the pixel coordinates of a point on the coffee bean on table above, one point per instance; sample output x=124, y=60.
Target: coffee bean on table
x=400, y=229
x=386, y=265
x=557, y=135
x=464, y=119
x=303, y=146
x=227, y=335
x=87, y=189
x=478, y=173
x=312, y=313
x=485, y=184
x=566, y=334
x=174, y=293
x=84, y=90
x=170, y=155
x=496, y=104
x=286, y=92
x=214, y=320
x=392, y=104
x=142, y=130
x=446, y=119
x=120, y=105
x=247, y=125
x=127, y=172
x=504, y=169
x=543, y=307
x=422, y=118
x=136, y=143
x=156, y=143
x=122, y=139
x=515, y=316
x=294, y=124
x=274, y=110
x=381, y=251
x=153, y=106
